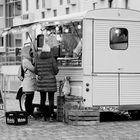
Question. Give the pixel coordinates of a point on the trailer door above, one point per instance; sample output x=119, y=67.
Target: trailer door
x=116, y=46
x=129, y=89
x=105, y=89
x=116, y=66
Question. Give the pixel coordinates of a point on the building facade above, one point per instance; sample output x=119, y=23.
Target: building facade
x=2, y=24
x=16, y=12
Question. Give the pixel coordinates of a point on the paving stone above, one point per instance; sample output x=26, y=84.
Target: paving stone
x=40, y=130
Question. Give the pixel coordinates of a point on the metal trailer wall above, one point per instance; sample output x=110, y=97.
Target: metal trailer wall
x=117, y=72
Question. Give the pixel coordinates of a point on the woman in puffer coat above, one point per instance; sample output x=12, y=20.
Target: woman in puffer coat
x=29, y=81
x=46, y=69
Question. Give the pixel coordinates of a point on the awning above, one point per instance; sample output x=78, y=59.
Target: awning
x=4, y=31
x=16, y=29
x=44, y=22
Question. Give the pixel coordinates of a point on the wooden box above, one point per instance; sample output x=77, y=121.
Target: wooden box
x=60, y=108
x=83, y=117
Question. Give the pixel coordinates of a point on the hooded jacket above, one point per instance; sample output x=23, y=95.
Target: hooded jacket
x=46, y=69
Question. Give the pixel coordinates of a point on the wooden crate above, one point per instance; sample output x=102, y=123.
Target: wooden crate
x=60, y=108
x=83, y=117
x=73, y=98
x=16, y=117
x=67, y=107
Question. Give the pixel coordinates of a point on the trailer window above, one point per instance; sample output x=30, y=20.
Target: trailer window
x=118, y=38
x=66, y=43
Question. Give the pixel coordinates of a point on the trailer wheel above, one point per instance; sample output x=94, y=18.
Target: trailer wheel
x=22, y=102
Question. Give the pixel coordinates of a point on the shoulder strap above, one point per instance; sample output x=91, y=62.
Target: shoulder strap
x=23, y=69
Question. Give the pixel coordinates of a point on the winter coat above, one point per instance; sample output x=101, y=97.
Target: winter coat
x=46, y=69
x=29, y=82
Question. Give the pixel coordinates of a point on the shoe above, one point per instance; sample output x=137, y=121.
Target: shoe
x=46, y=119
x=52, y=118
x=33, y=116
x=30, y=117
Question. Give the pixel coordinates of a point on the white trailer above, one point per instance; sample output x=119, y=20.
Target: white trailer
x=107, y=74
x=111, y=50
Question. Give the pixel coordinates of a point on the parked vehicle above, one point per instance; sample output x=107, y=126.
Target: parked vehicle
x=106, y=69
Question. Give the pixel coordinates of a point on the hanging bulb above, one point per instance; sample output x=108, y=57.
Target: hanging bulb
x=57, y=28
x=79, y=26
x=48, y=32
x=66, y=30
x=117, y=31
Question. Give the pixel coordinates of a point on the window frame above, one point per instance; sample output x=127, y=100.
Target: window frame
x=122, y=38
x=37, y=4
x=61, y=2
x=1, y=41
x=27, y=5
x=67, y=10
x=2, y=12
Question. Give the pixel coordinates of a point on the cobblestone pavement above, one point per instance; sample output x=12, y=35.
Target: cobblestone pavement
x=40, y=130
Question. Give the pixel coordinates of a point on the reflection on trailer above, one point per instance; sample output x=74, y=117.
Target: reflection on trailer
x=99, y=50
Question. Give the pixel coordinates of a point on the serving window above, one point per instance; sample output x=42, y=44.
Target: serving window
x=65, y=41
x=118, y=38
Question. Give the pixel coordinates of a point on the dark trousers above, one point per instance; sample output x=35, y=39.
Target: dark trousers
x=29, y=103
x=51, y=102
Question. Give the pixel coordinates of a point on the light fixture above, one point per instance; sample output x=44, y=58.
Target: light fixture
x=66, y=30
x=79, y=26
x=117, y=31
x=57, y=28
x=48, y=32
x=57, y=22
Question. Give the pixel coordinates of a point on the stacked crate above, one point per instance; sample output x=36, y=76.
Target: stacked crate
x=66, y=103
x=86, y=116
x=71, y=111
x=71, y=103
x=16, y=117
x=60, y=108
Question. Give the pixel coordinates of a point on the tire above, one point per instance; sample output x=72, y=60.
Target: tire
x=22, y=102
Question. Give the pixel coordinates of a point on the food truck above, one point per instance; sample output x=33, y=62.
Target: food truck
x=100, y=51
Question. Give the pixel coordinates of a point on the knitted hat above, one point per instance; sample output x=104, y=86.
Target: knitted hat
x=27, y=42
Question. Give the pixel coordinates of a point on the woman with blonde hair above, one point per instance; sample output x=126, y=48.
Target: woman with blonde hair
x=29, y=81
